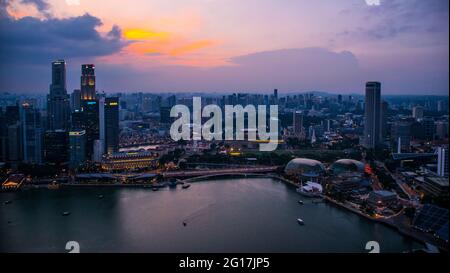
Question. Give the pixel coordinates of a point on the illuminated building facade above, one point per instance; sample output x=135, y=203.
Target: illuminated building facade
x=87, y=82
x=90, y=123
x=77, y=151
x=130, y=161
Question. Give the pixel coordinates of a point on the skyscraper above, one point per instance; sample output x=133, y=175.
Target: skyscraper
x=10, y=138
x=90, y=122
x=56, y=147
x=88, y=119
x=15, y=145
x=75, y=100
x=101, y=125
x=87, y=82
x=31, y=133
x=111, y=115
x=297, y=123
x=442, y=164
x=372, y=115
x=428, y=127
x=77, y=149
x=58, y=100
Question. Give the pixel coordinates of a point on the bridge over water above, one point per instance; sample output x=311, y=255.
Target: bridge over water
x=215, y=172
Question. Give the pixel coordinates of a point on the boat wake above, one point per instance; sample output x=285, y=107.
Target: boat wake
x=198, y=213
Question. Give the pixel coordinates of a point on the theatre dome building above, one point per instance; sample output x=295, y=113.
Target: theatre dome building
x=347, y=165
x=305, y=169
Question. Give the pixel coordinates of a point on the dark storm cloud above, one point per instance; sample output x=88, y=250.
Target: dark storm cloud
x=34, y=41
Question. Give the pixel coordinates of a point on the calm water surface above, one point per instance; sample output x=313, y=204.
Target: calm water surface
x=234, y=215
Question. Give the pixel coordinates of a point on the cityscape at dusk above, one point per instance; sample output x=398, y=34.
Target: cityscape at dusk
x=208, y=126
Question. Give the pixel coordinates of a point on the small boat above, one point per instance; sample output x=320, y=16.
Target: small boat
x=300, y=221
x=185, y=186
x=300, y=202
x=66, y=213
x=100, y=196
x=7, y=202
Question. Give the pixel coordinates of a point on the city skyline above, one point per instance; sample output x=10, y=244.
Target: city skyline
x=181, y=47
x=207, y=126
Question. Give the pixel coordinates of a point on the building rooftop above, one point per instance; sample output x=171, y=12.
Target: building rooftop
x=441, y=181
x=384, y=193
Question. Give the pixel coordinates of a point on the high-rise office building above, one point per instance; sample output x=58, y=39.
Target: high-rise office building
x=384, y=118
x=428, y=127
x=58, y=101
x=297, y=123
x=98, y=150
x=15, y=145
x=88, y=116
x=10, y=117
x=88, y=82
x=441, y=129
x=31, y=131
x=442, y=162
x=101, y=124
x=111, y=121
x=56, y=147
x=75, y=100
x=372, y=115
x=90, y=121
x=77, y=149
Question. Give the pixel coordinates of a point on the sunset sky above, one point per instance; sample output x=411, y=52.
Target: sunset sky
x=228, y=45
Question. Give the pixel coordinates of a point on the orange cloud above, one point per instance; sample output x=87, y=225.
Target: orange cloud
x=141, y=35
x=191, y=47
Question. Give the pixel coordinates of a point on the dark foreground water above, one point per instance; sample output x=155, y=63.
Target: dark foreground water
x=235, y=215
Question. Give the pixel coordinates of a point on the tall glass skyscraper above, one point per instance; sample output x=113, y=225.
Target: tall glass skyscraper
x=111, y=123
x=372, y=115
x=31, y=133
x=90, y=123
x=56, y=147
x=77, y=147
x=58, y=103
x=87, y=82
